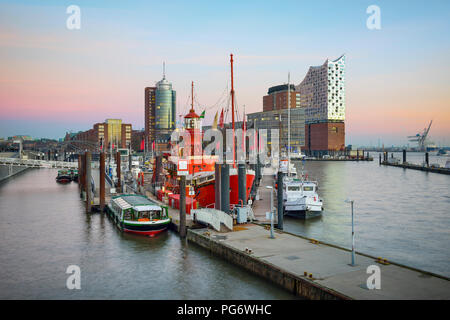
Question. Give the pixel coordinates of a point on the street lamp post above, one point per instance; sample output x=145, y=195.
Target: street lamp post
x=271, y=211
x=353, y=232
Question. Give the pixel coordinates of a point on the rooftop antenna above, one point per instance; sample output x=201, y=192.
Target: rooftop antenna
x=164, y=70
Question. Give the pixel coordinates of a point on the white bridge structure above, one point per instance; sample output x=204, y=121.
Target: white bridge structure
x=38, y=163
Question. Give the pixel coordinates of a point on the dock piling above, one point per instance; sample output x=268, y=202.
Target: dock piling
x=225, y=188
x=102, y=181
x=280, y=200
x=217, y=185
x=404, y=156
x=88, y=182
x=242, y=188
x=183, y=206
x=427, y=159
x=119, y=185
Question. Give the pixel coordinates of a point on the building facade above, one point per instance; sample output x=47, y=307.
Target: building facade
x=160, y=113
x=278, y=119
x=150, y=103
x=322, y=96
x=106, y=136
x=277, y=98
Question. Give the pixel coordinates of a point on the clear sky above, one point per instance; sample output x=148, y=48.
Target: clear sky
x=54, y=80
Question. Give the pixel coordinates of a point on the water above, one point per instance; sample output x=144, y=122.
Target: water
x=44, y=229
x=400, y=214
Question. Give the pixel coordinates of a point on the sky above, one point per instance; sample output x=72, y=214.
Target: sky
x=54, y=80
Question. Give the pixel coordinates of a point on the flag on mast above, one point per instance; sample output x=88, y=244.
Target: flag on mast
x=214, y=125
x=202, y=116
x=221, y=119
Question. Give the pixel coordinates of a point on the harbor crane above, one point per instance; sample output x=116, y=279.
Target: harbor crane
x=421, y=138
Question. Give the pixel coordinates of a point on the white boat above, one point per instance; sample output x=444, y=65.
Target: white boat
x=301, y=198
x=297, y=156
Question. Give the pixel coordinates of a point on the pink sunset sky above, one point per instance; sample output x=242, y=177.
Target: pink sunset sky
x=55, y=80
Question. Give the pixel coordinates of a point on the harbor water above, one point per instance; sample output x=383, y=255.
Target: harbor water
x=402, y=215
x=44, y=229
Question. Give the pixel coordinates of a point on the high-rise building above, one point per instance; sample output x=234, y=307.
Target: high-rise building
x=322, y=95
x=160, y=112
x=149, y=103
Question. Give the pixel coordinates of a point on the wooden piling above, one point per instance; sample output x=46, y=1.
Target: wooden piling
x=102, y=181
x=88, y=182
x=79, y=173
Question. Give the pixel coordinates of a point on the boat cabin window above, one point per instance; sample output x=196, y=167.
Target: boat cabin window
x=308, y=188
x=155, y=214
x=127, y=215
x=151, y=215
x=293, y=188
x=144, y=215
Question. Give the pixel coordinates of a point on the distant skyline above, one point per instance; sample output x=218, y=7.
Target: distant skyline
x=55, y=80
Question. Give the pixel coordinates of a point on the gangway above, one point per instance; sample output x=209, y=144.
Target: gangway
x=38, y=163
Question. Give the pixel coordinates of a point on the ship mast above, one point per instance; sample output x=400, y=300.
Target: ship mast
x=192, y=93
x=289, y=124
x=232, y=108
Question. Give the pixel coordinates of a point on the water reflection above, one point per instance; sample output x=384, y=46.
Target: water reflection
x=400, y=214
x=44, y=229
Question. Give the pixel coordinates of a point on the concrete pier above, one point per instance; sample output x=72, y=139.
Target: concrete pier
x=312, y=269
x=315, y=270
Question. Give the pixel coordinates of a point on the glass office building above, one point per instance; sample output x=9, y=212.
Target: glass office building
x=165, y=111
x=278, y=119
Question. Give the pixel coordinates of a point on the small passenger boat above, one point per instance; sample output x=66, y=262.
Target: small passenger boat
x=64, y=176
x=137, y=214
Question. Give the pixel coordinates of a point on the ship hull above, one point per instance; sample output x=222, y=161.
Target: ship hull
x=206, y=195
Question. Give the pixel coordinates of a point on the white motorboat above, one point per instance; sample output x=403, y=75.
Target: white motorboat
x=301, y=198
x=297, y=156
